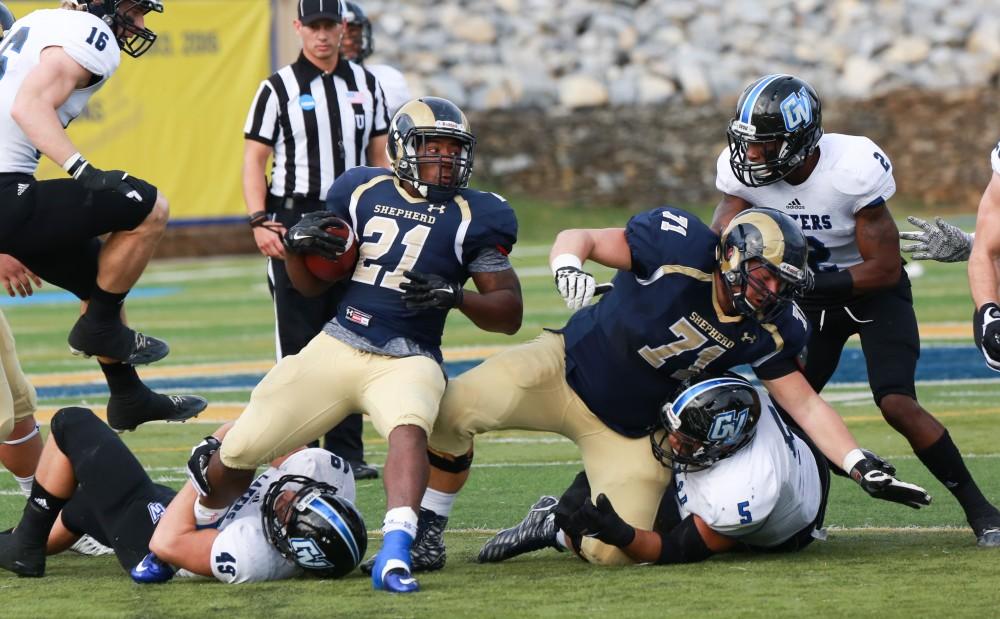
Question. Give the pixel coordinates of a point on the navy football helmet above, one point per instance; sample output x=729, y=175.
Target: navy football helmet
x=781, y=113
x=320, y=531
x=358, y=25
x=132, y=40
x=7, y=19
x=763, y=237
x=710, y=418
x=416, y=122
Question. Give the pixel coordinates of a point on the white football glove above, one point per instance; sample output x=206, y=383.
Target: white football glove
x=942, y=242
x=576, y=286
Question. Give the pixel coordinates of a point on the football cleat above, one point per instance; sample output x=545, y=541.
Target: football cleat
x=90, y=547
x=391, y=568
x=20, y=558
x=400, y=581
x=151, y=571
x=987, y=529
x=535, y=532
x=427, y=553
x=115, y=341
x=125, y=413
x=363, y=470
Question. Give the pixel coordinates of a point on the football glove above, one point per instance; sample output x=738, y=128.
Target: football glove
x=429, y=291
x=576, y=287
x=986, y=332
x=600, y=521
x=309, y=235
x=942, y=242
x=878, y=483
x=95, y=179
x=197, y=464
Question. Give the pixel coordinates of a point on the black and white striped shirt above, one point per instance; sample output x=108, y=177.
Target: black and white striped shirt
x=319, y=124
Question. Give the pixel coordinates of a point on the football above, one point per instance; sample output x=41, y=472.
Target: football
x=341, y=268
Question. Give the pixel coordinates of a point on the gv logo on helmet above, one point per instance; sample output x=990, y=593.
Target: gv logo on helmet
x=728, y=426
x=308, y=554
x=796, y=111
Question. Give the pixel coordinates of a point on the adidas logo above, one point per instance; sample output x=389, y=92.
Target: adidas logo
x=795, y=205
x=41, y=502
x=22, y=187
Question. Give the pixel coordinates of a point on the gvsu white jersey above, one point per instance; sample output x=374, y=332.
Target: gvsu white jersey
x=241, y=553
x=84, y=37
x=763, y=494
x=852, y=173
x=995, y=159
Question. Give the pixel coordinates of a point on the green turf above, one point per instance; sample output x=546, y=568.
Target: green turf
x=872, y=564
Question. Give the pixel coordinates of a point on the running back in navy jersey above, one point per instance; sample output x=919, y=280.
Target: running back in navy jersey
x=662, y=323
x=398, y=233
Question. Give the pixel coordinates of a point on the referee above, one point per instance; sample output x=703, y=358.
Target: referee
x=319, y=116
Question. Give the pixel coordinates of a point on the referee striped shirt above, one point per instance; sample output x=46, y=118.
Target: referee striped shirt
x=319, y=124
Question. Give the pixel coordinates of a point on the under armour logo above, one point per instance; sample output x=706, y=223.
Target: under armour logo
x=749, y=338
x=22, y=187
x=431, y=208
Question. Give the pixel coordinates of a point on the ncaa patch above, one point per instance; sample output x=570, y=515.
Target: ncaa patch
x=307, y=103
x=357, y=316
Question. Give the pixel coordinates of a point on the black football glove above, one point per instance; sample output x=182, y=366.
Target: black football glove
x=429, y=291
x=131, y=187
x=197, y=464
x=600, y=521
x=986, y=331
x=309, y=235
x=878, y=483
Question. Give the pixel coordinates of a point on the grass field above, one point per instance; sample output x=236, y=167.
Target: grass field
x=880, y=559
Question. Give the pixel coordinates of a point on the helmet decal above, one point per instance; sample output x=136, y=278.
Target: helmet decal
x=796, y=111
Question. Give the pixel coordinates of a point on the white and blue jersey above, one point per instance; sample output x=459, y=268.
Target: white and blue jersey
x=398, y=233
x=663, y=323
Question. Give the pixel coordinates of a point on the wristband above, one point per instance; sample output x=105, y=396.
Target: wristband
x=851, y=460
x=566, y=260
x=836, y=284
x=74, y=164
x=256, y=218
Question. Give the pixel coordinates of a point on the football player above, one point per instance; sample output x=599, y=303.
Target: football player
x=835, y=187
x=422, y=234
x=742, y=479
x=358, y=44
x=297, y=517
x=684, y=300
x=947, y=243
x=51, y=63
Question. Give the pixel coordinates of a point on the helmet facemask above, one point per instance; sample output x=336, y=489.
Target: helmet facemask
x=354, y=18
x=414, y=145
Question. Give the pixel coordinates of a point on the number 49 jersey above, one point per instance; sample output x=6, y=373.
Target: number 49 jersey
x=399, y=233
x=662, y=323
x=84, y=37
x=764, y=493
x=852, y=173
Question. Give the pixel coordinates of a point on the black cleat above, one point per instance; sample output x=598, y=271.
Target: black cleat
x=987, y=529
x=115, y=341
x=363, y=470
x=535, y=532
x=23, y=560
x=125, y=414
x=427, y=553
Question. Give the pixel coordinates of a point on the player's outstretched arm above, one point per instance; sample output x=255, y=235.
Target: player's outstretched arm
x=728, y=207
x=572, y=248
x=939, y=241
x=178, y=541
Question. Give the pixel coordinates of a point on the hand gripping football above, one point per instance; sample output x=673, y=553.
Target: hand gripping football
x=341, y=268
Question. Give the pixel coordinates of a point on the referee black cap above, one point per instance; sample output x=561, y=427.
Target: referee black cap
x=313, y=10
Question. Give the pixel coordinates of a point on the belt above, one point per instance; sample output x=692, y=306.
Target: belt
x=294, y=203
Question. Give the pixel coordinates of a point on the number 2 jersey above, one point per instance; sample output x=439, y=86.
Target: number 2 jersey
x=241, y=552
x=399, y=233
x=662, y=323
x=764, y=493
x=84, y=37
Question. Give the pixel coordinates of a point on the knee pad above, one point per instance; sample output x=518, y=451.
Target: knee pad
x=449, y=463
x=68, y=421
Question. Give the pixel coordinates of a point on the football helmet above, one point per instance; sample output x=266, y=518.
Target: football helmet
x=710, y=418
x=782, y=113
x=132, y=40
x=7, y=19
x=411, y=127
x=763, y=237
x=320, y=531
x=355, y=16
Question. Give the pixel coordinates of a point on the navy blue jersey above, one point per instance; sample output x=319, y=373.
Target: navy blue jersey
x=398, y=233
x=662, y=323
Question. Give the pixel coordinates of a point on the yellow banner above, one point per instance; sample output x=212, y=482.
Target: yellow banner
x=175, y=115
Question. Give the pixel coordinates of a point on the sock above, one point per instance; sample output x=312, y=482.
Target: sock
x=561, y=539
x=207, y=517
x=400, y=519
x=105, y=306
x=438, y=502
x=122, y=379
x=39, y=515
x=945, y=461
x=25, y=484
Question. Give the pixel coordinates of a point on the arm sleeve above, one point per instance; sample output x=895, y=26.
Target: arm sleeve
x=262, y=119
x=683, y=544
